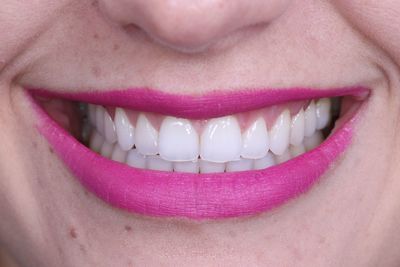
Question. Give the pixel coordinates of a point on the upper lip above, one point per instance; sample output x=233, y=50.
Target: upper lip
x=215, y=104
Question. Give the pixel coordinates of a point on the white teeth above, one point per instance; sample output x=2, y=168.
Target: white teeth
x=221, y=147
x=178, y=140
x=284, y=157
x=135, y=159
x=310, y=119
x=280, y=133
x=146, y=136
x=313, y=141
x=211, y=167
x=125, y=130
x=240, y=165
x=158, y=164
x=221, y=140
x=100, y=119
x=187, y=166
x=106, y=149
x=255, y=140
x=297, y=150
x=96, y=141
x=297, y=128
x=92, y=114
x=109, y=128
x=323, y=109
x=264, y=162
x=118, y=154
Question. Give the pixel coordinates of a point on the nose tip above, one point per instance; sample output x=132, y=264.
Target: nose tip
x=192, y=25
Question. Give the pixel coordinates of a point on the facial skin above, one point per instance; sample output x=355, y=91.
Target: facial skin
x=350, y=218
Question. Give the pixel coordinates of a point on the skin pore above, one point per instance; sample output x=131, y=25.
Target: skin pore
x=350, y=218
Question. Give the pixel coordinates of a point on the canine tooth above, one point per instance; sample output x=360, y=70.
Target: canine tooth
x=284, y=157
x=313, y=141
x=297, y=128
x=100, y=119
x=178, y=140
x=280, y=133
x=187, y=166
x=255, y=140
x=135, y=159
x=264, y=162
x=323, y=111
x=92, y=114
x=240, y=165
x=158, y=164
x=125, y=130
x=109, y=128
x=221, y=140
x=310, y=119
x=297, y=150
x=211, y=167
x=106, y=149
x=146, y=136
x=118, y=154
x=96, y=141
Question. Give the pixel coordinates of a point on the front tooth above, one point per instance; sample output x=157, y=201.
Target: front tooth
x=178, y=140
x=255, y=140
x=118, y=154
x=135, y=159
x=264, y=162
x=211, y=167
x=284, y=157
x=310, y=119
x=297, y=150
x=280, y=133
x=109, y=128
x=221, y=140
x=187, y=166
x=146, y=136
x=158, y=164
x=313, y=141
x=96, y=141
x=297, y=129
x=125, y=130
x=240, y=165
x=323, y=110
x=100, y=119
x=106, y=149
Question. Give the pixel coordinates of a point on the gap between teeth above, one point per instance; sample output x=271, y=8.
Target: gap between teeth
x=222, y=146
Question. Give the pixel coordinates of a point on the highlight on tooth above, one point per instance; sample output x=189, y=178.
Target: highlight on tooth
x=233, y=143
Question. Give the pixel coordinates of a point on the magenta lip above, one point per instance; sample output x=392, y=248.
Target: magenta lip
x=215, y=104
x=196, y=196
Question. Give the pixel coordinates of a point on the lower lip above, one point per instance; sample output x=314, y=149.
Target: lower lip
x=195, y=196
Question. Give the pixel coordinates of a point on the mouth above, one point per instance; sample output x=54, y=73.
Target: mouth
x=202, y=157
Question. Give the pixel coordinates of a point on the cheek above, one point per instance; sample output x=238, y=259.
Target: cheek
x=379, y=21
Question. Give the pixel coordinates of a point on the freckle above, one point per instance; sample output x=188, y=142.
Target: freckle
x=94, y=3
x=95, y=36
x=128, y=228
x=96, y=71
x=35, y=145
x=51, y=150
x=73, y=233
x=83, y=249
x=116, y=47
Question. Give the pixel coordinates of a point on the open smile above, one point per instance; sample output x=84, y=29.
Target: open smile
x=209, y=156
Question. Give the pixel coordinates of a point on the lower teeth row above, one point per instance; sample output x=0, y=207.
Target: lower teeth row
x=154, y=162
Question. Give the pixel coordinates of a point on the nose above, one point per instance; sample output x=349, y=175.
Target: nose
x=192, y=24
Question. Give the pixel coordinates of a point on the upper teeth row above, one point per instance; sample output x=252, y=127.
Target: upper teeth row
x=221, y=140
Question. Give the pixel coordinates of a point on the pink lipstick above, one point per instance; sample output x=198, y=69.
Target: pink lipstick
x=197, y=196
